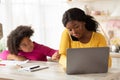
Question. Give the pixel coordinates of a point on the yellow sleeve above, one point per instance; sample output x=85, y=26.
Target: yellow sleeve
x=110, y=62
x=64, y=44
x=103, y=42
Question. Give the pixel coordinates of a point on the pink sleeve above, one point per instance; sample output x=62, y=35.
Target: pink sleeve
x=3, y=55
x=47, y=50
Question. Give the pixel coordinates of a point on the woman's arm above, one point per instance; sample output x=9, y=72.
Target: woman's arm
x=64, y=44
x=15, y=57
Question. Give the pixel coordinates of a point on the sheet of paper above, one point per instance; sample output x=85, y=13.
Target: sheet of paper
x=12, y=62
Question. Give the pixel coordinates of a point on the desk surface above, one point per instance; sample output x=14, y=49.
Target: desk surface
x=115, y=55
x=56, y=72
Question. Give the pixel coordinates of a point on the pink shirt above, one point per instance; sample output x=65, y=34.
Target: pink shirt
x=3, y=54
x=39, y=53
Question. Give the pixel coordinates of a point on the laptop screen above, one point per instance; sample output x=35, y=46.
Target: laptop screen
x=87, y=60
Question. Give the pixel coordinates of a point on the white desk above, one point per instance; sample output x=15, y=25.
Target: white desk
x=56, y=72
x=115, y=55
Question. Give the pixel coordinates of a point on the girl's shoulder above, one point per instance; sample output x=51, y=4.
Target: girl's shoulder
x=3, y=54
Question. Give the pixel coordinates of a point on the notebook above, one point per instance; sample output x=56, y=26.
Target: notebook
x=87, y=60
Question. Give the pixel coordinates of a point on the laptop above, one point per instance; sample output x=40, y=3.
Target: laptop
x=87, y=60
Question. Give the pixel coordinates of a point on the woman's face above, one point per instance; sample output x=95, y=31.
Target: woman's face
x=76, y=28
x=26, y=45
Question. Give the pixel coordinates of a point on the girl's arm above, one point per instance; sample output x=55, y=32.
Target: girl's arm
x=56, y=56
x=15, y=57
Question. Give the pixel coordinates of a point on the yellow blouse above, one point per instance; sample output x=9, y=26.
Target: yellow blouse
x=97, y=40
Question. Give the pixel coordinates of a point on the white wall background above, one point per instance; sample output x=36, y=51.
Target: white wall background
x=110, y=9
x=100, y=5
x=45, y=16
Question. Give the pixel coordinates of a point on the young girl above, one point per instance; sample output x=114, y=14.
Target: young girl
x=20, y=47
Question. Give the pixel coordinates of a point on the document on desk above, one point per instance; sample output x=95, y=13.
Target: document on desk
x=33, y=68
x=12, y=62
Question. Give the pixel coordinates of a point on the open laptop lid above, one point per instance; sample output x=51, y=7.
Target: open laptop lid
x=87, y=60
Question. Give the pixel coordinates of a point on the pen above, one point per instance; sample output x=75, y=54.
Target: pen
x=34, y=67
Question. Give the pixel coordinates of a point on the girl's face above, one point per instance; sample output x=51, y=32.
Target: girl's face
x=76, y=28
x=26, y=45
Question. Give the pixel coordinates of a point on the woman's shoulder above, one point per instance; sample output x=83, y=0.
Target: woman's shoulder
x=65, y=31
x=98, y=34
x=100, y=38
x=66, y=35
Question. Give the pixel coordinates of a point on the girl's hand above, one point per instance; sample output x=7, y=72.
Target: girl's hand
x=15, y=57
x=56, y=56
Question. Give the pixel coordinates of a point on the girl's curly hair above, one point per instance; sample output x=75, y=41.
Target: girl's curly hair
x=15, y=37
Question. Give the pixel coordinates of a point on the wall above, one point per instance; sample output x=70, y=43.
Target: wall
x=109, y=17
x=101, y=5
x=45, y=16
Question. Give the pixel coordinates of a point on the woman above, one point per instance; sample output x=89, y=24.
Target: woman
x=80, y=32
